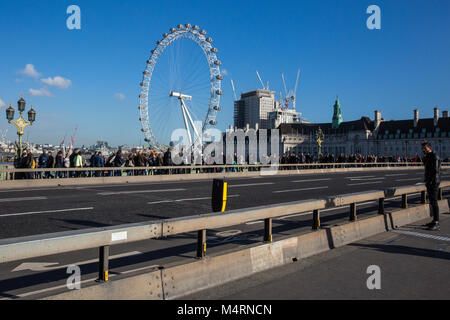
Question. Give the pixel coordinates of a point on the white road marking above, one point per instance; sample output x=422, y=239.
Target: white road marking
x=255, y=222
x=49, y=211
x=360, y=177
x=303, y=189
x=250, y=184
x=295, y=215
x=311, y=180
x=38, y=189
x=23, y=199
x=367, y=179
x=358, y=184
x=408, y=179
x=46, y=266
x=189, y=199
x=422, y=235
x=397, y=174
x=139, y=191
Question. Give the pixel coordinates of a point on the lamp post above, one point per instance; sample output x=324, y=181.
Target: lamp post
x=319, y=139
x=20, y=123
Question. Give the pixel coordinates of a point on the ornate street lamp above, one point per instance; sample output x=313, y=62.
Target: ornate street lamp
x=20, y=123
x=319, y=139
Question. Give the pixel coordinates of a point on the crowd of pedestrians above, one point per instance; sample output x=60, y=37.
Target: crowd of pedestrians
x=137, y=163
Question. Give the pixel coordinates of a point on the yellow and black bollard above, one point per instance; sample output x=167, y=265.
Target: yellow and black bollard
x=219, y=195
x=103, y=272
x=316, y=220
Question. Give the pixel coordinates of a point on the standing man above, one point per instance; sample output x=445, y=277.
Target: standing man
x=432, y=179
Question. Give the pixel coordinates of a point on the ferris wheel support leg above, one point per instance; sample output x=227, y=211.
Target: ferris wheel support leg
x=197, y=136
x=186, y=122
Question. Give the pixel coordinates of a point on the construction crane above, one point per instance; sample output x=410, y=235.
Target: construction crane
x=290, y=95
x=286, y=105
x=234, y=90
x=72, y=139
x=295, y=90
x=262, y=84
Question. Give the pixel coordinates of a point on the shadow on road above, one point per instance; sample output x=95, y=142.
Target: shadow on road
x=396, y=249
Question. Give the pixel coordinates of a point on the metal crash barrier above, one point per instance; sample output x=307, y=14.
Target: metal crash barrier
x=62, y=242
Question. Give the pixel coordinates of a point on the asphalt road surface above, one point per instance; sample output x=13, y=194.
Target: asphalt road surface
x=36, y=211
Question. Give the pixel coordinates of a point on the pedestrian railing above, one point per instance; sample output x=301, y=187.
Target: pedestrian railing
x=95, y=172
x=62, y=242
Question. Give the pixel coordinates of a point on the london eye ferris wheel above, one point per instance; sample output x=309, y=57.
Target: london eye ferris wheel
x=179, y=88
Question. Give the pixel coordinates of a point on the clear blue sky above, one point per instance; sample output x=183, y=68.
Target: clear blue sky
x=403, y=66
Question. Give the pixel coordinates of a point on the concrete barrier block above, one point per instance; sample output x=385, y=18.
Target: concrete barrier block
x=206, y=273
x=350, y=232
x=312, y=243
x=146, y=286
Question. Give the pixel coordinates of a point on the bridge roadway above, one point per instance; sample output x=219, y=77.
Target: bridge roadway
x=37, y=211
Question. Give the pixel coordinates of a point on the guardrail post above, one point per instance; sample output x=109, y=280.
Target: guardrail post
x=268, y=230
x=440, y=194
x=103, y=272
x=201, y=243
x=404, y=201
x=353, y=216
x=316, y=220
x=381, y=206
x=423, y=197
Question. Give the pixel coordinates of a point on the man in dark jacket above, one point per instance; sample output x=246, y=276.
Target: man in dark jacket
x=50, y=164
x=59, y=163
x=432, y=179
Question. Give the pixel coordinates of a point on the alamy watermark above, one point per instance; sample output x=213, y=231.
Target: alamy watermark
x=374, y=281
x=241, y=147
x=374, y=21
x=73, y=22
x=74, y=280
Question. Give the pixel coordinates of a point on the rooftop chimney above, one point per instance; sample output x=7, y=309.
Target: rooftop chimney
x=436, y=116
x=377, y=118
x=445, y=114
x=416, y=117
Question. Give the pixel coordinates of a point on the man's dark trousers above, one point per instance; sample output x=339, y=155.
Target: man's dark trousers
x=433, y=193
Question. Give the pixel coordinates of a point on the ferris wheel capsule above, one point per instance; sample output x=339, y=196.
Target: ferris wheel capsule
x=217, y=63
x=214, y=50
x=209, y=40
x=146, y=72
x=219, y=92
x=165, y=35
x=158, y=42
x=149, y=61
x=217, y=108
x=202, y=32
x=213, y=122
x=146, y=139
x=188, y=25
x=172, y=30
x=180, y=26
x=219, y=77
x=196, y=27
x=153, y=51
